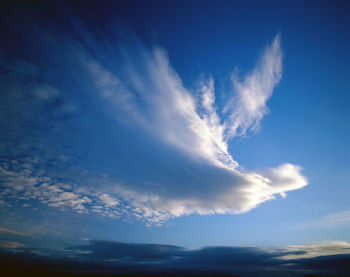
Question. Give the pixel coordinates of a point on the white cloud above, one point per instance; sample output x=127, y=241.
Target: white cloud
x=237, y=193
x=63, y=196
x=329, y=220
x=248, y=106
x=336, y=218
x=174, y=116
x=317, y=249
x=148, y=97
x=47, y=190
x=171, y=113
x=108, y=201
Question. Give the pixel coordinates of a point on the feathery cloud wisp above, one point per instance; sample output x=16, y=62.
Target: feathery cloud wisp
x=13, y=232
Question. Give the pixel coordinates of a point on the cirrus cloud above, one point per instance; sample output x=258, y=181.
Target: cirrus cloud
x=126, y=136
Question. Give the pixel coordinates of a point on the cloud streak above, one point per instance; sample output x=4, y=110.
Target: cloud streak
x=317, y=250
x=329, y=220
x=12, y=232
x=246, y=109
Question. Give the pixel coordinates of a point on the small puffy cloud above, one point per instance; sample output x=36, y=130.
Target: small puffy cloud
x=63, y=196
x=108, y=201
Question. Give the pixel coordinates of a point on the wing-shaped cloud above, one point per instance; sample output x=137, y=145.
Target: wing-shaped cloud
x=126, y=135
x=153, y=97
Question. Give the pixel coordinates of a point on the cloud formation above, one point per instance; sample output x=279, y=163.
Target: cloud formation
x=152, y=94
x=116, y=132
x=13, y=232
x=329, y=220
x=10, y=244
x=154, y=99
x=160, y=259
x=317, y=250
x=248, y=106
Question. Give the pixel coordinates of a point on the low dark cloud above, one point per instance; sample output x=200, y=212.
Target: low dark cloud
x=107, y=257
x=107, y=250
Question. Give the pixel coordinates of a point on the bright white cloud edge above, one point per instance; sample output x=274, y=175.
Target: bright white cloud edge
x=316, y=250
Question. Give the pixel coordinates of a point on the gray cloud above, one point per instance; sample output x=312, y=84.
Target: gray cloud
x=143, y=259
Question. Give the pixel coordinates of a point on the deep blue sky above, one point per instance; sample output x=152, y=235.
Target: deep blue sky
x=192, y=123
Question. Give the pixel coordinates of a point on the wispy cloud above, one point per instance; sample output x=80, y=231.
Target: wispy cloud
x=11, y=244
x=330, y=220
x=117, y=132
x=152, y=96
x=248, y=106
x=13, y=232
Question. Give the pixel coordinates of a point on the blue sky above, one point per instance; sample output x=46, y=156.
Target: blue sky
x=190, y=123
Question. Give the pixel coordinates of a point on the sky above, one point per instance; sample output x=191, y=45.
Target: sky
x=176, y=133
